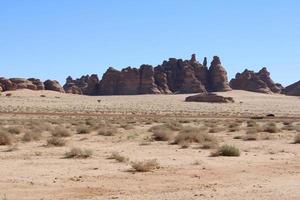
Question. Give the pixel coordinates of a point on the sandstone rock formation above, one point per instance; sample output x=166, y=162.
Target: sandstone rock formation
x=293, y=89
x=172, y=76
x=210, y=98
x=218, y=80
x=53, y=85
x=255, y=82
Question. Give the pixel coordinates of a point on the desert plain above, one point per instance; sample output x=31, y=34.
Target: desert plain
x=64, y=146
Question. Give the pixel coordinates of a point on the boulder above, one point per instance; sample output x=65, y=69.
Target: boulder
x=293, y=89
x=218, y=80
x=210, y=98
x=53, y=85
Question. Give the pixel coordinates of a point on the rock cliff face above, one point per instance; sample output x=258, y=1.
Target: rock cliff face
x=255, y=82
x=21, y=83
x=172, y=76
x=293, y=89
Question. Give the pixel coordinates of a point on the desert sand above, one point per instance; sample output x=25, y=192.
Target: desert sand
x=267, y=168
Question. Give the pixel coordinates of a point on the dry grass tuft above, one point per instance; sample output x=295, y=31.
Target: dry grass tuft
x=163, y=135
x=78, y=153
x=195, y=135
x=297, y=139
x=145, y=166
x=83, y=130
x=61, y=132
x=6, y=138
x=227, y=150
x=31, y=136
x=56, y=141
x=15, y=130
x=108, y=131
x=118, y=157
x=271, y=128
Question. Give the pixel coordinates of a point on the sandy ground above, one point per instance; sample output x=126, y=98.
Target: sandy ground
x=246, y=104
x=266, y=169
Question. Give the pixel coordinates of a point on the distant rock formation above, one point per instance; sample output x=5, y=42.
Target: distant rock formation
x=255, y=82
x=172, y=76
x=293, y=89
x=21, y=83
x=53, y=85
x=210, y=98
x=217, y=76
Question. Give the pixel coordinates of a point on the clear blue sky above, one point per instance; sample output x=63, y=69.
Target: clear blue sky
x=56, y=38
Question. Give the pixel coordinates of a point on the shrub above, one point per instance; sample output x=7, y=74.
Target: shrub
x=56, y=141
x=61, y=132
x=14, y=130
x=30, y=136
x=107, y=131
x=174, y=126
x=297, y=139
x=193, y=135
x=238, y=137
x=116, y=156
x=78, y=153
x=227, y=150
x=215, y=130
x=163, y=135
x=145, y=166
x=271, y=128
x=127, y=126
x=234, y=127
x=6, y=138
x=250, y=137
x=83, y=130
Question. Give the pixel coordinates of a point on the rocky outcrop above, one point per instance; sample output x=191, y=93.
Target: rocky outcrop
x=21, y=83
x=7, y=84
x=147, y=81
x=293, y=89
x=218, y=80
x=87, y=85
x=53, y=85
x=210, y=98
x=255, y=82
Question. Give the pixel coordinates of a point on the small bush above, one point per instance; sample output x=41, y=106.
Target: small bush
x=163, y=135
x=174, y=126
x=14, y=130
x=56, y=141
x=107, y=131
x=227, y=150
x=215, y=130
x=116, y=156
x=127, y=126
x=6, y=138
x=297, y=139
x=250, y=137
x=145, y=166
x=31, y=136
x=83, y=130
x=61, y=132
x=271, y=128
x=193, y=135
x=234, y=127
x=78, y=153
x=237, y=137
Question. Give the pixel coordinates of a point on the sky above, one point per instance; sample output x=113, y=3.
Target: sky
x=54, y=39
